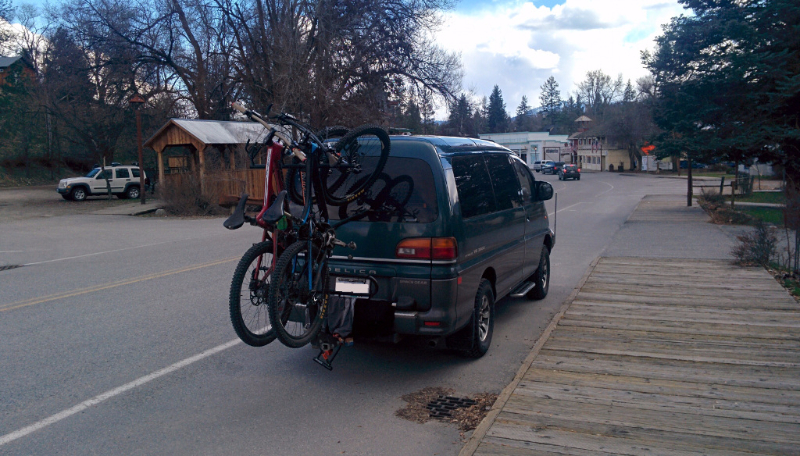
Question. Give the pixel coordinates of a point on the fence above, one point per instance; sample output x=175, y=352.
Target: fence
x=742, y=186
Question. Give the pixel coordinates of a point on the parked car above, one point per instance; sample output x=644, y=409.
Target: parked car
x=538, y=164
x=453, y=225
x=696, y=165
x=552, y=167
x=569, y=171
x=123, y=179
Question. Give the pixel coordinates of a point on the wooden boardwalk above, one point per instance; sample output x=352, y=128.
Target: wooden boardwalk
x=661, y=356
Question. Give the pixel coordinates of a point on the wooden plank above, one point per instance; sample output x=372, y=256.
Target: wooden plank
x=688, y=291
x=679, y=313
x=676, y=350
x=621, y=440
x=701, y=372
x=653, y=298
x=658, y=320
x=679, y=327
x=765, y=343
x=494, y=446
x=593, y=417
x=750, y=313
x=635, y=352
x=662, y=281
x=659, y=402
x=635, y=383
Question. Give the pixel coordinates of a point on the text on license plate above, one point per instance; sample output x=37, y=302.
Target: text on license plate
x=352, y=285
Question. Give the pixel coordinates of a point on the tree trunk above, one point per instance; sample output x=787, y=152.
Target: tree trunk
x=735, y=185
x=690, y=189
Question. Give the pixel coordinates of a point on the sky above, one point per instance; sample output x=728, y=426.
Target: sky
x=517, y=45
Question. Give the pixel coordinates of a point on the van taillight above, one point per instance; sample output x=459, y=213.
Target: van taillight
x=428, y=248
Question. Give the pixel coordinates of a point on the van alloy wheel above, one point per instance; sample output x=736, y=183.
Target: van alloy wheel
x=485, y=316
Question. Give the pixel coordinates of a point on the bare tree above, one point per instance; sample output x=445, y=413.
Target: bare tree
x=188, y=40
x=338, y=61
x=598, y=90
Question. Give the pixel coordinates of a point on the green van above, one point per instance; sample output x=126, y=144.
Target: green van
x=451, y=226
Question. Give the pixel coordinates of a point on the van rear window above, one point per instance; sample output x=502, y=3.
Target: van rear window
x=404, y=192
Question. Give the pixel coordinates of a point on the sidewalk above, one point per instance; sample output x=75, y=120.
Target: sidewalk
x=134, y=207
x=664, y=347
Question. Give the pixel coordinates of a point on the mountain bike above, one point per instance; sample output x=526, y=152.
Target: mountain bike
x=322, y=173
x=247, y=299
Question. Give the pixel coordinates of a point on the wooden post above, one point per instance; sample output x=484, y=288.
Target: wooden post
x=201, y=154
x=721, y=185
x=161, y=168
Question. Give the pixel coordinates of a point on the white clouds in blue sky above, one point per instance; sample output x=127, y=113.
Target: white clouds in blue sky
x=518, y=45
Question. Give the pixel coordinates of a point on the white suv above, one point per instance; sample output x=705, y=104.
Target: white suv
x=537, y=165
x=123, y=179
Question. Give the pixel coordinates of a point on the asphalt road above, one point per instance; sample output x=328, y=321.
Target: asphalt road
x=116, y=340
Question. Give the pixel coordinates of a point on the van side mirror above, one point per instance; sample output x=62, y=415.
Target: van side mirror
x=544, y=191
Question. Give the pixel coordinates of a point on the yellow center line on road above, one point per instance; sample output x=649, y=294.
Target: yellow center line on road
x=69, y=294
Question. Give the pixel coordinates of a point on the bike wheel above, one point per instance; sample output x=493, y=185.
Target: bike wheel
x=297, y=310
x=364, y=151
x=293, y=180
x=248, y=296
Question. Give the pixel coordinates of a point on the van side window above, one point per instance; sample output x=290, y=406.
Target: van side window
x=473, y=184
x=123, y=173
x=525, y=178
x=504, y=181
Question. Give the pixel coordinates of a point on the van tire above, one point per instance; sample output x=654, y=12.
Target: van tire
x=481, y=325
x=541, y=277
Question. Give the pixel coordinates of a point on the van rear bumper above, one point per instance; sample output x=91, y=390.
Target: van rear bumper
x=439, y=320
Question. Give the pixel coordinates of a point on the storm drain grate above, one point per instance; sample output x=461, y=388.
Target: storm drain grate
x=10, y=266
x=443, y=406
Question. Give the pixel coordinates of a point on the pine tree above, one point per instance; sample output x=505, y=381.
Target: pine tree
x=497, y=119
x=630, y=93
x=551, y=97
x=460, y=117
x=521, y=121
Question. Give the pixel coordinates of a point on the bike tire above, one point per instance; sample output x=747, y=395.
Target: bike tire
x=294, y=176
x=351, y=149
x=289, y=290
x=249, y=313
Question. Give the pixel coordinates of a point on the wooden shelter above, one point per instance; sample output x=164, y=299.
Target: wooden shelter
x=200, y=138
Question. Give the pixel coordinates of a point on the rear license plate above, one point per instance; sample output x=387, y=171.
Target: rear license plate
x=352, y=285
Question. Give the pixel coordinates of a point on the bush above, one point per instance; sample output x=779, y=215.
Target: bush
x=184, y=198
x=758, y=247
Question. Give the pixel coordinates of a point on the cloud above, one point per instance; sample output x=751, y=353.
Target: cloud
x=568, y=19
x=519, y=45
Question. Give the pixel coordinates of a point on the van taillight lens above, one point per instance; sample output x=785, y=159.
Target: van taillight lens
x=428, y=248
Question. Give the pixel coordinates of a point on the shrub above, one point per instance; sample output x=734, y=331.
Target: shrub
x=757, y=247
x=183, y=197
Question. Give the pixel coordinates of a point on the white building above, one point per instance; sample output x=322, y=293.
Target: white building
x=532, y=146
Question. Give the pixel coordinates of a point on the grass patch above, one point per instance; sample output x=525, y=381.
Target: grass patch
x=771, y=215
x=761, y=197
x=788, y=280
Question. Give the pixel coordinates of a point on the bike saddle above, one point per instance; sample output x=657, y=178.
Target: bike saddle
x=275, y=211
x=236, y=220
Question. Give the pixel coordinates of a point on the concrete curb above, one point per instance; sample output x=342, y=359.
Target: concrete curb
x=480, y=432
